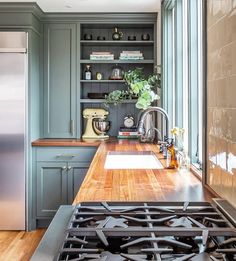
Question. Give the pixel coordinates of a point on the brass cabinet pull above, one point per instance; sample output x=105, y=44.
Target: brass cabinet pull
x=72, y=127
x=66, y=155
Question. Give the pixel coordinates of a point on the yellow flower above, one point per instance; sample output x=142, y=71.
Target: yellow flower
x=174, y=131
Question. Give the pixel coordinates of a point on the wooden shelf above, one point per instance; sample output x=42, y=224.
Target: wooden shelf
x=103, y=81
x=103, y=100
x=110, y=42
x=118, y=61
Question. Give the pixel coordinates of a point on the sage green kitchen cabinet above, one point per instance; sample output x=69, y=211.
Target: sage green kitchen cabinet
x=60, y=172
x=76, y=175
x=51, y=187
x=59, y=81
x=57, y=184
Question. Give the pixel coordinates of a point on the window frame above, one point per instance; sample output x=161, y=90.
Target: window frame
x=183, y=81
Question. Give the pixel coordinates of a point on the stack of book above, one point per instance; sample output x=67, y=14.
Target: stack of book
x=131, y=55
x=101, y=56
x=128, y=133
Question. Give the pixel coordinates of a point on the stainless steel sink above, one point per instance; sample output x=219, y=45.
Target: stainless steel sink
x=132, y=160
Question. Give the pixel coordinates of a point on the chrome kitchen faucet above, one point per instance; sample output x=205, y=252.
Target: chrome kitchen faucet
x=141, y=125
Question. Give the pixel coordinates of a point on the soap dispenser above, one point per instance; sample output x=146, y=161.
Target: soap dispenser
x=172, y=162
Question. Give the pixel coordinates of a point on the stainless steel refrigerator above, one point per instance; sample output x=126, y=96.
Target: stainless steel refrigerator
x=13, y=122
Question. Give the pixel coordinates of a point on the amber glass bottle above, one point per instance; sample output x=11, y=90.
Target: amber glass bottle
x=171, y=156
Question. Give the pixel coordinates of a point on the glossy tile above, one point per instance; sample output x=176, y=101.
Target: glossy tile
x=221, y=100
x=230, y=90
x=216, y=9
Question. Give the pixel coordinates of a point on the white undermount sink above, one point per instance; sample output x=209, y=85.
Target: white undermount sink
x=132, y=160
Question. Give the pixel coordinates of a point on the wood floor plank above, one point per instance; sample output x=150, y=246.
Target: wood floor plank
x=19, y=245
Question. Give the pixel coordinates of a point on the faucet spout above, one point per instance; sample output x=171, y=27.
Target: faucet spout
x=141, y=128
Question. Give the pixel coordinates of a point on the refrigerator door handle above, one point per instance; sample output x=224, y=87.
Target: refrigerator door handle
x=13, y=50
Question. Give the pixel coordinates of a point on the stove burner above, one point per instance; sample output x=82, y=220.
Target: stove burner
x=158, y=240
x=111, y=222
x=107, y=256
x=171, y=231
x=106, y=206
x=159, y=220
x=180, y=222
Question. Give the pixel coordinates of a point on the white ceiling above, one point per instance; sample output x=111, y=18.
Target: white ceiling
x=96, y=5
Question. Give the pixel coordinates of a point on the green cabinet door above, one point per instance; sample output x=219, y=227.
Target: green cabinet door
x=59, y=81
x=51, y=187
x=76, y=175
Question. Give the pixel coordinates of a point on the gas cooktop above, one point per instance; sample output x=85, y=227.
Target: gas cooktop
x=138, y=231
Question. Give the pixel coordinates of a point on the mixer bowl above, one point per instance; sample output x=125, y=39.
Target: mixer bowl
x=101, y=126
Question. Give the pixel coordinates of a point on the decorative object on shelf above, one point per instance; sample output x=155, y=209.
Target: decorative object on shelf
x=101, y=56
x=131, y=38
x=97, y=95
x=139, y=87
x=145, y=37
x=129, y=121
x=99, y=76
x=117, y=73
x=93, y=114
x=128, y=134
x=129, y=130
x=131, y=55
x=117, y=35
x=88, y=37
x=101, y=38
x=88, y=73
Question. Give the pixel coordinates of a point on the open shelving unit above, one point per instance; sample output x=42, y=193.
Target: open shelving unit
x=148, y=48
x=103, y=101
x=102, y=81
x=120, y=42
x=117, y=61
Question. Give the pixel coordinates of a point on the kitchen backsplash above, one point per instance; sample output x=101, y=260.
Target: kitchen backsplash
x=221, y=101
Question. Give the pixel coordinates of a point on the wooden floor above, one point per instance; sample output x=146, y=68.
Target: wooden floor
x=19, y=245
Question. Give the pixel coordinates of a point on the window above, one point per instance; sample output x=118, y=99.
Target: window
x=182, y=71
x=173, y=61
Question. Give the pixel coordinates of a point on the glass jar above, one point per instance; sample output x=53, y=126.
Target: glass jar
x=117, y=73
x=184, y=161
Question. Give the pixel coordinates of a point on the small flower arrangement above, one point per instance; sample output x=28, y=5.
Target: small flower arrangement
x=178, y=133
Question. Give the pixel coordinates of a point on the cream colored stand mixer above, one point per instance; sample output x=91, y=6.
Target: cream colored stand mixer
x=96, y=126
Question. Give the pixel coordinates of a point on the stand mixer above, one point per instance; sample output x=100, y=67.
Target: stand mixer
x=96, y=126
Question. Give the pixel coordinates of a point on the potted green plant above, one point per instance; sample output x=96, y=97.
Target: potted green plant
x=138, y=87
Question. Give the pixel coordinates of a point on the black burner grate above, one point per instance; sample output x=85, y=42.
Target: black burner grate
x=148, y=231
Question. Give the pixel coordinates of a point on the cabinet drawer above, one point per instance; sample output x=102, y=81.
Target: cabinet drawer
x=81, y=154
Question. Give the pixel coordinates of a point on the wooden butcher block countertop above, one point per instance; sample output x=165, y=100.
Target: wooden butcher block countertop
x=65, y=143
x=137, y=185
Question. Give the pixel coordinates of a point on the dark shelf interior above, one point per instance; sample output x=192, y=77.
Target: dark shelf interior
x=116, y=113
